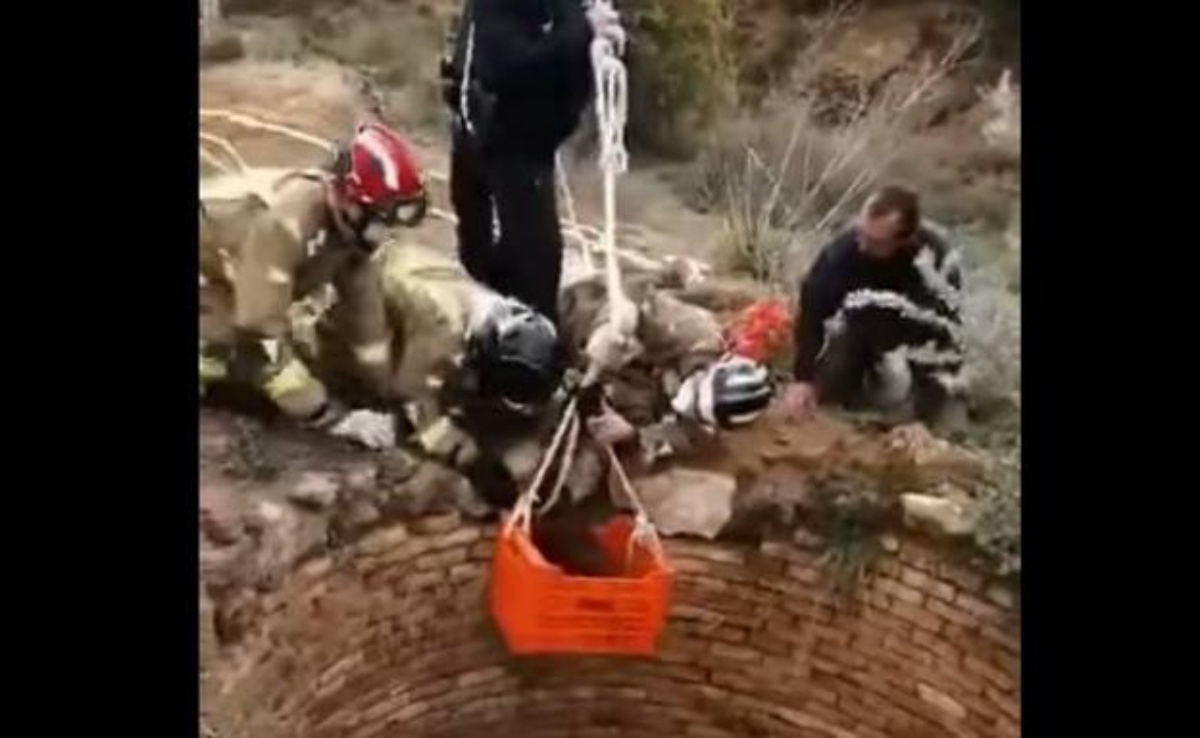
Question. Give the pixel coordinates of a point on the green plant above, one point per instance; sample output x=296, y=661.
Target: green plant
x=682, y=72
x=998, y=531
x=851, y=515
x=782, y=179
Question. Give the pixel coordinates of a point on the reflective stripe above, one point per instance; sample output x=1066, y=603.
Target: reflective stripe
x=271, y=347
x=227, y=265
x=276, y=275
x=433, y=436
x=373, y=353
x=293, y=377
x=212, y=369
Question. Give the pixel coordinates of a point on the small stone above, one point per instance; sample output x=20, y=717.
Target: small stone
x=471, y=504
x=222, y=47
x=359, y=481
x=1001, y=595
x=890, y=543
x=937, y=515
x=223, y=569
x=315, y=490
x=358, y=515
x=522, y=460
x=433, y=488
x=808, y=540
x=270, y=513
x=395, y=467
x=688, y=501
x=234, y=618
x=221, y=515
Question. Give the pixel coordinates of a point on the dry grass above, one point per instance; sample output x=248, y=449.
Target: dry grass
x=682, y=72
x=783, y=179
x=397, y=48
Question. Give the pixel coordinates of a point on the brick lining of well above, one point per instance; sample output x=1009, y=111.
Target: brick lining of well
x=391, y=636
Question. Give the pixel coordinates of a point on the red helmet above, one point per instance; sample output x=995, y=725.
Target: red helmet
x=383, y=174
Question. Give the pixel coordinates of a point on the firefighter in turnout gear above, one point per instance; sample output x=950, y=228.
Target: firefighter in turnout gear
x=262, y=252
x=467, y=362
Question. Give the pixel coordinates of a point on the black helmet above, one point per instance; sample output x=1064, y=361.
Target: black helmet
x=513, y=354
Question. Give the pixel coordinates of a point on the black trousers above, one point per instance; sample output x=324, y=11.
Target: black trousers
x=848, y=367
x=525, y=262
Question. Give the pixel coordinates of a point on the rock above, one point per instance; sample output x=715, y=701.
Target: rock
x=262, y=516
x=889, y=543
x=222, y=46
x=783, y=496
x=221, y=514
x=433, y=488
x=359, y=482
x=280, y=544
x=235, y=617
x=927, y=461
x=938, y=515
x=395, y=468
x=471, y=504
x=226, y=568
x=688, y=501
x=663, y=440
x=808, y=540
x=522, y=460
x=315, y=490
x=1001, y=595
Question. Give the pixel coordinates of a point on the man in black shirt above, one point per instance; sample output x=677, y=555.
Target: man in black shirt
x=517, y=82
x=879, y=317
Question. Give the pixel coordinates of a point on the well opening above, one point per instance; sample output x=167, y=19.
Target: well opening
x=391, y=637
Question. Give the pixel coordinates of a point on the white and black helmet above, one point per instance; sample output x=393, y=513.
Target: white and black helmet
x=734, y=392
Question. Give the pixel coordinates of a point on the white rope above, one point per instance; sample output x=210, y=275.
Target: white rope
x=224, y=145
x=644, y=533
x=523, y=509
x=214, y=161
x=573, y=227
x=611, y=103
x=564, y=466
x=612, y=343
x=247, y=121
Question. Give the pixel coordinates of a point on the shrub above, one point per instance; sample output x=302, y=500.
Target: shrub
x=682, y=72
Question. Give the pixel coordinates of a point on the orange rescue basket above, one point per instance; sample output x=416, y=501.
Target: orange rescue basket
x=541, y=609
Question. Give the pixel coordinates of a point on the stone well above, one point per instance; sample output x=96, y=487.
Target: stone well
x=386, y=632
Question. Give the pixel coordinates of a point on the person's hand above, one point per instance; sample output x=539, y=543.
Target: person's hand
x=615, y=35
x=601, y=15
x=372, y=429
x=798, y=402
x=606, y=24
x=609, y=428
